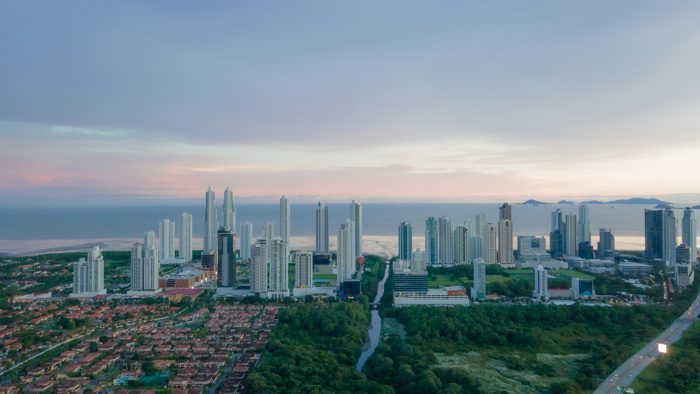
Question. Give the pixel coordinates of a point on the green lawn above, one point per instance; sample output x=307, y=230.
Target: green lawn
x=497, y=278
x=572, y=274
x=325, y=276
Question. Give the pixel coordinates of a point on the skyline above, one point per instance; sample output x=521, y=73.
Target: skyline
x=473, y=102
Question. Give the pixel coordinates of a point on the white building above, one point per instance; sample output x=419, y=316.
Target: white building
x=461, y=245
x=346, y=251
x=479, y=289
x=541, y=292
x=166, y=237
x=445, y=239
x=505, y=242
x=490, y=244
x=530, y=245
x=689, y=234
x=285, y=220
x=145, y=266
x=278, y=286
x=419, y=261
x=258, y=268
x=571, y=235
x=246, y=235
x=304, y=273
x=268, y=235
x=356, y=217
x=229, y=211
x=584, y=224
x=185, y=237
x=322, y=235
x=209, y=244
x=89, y=275
x=669, y=238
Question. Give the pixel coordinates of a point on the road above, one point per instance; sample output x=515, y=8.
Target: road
x=626, y=373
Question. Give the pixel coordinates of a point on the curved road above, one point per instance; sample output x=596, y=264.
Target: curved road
x=626, y=373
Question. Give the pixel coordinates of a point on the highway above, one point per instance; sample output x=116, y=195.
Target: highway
x=626, y=373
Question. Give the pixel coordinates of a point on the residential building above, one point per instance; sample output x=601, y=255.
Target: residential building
x=88, y=275
x=584, y=225
x=461, y=245
x=557, y=220
x=166, y=237
x=689, y=234
x=419, y=261
x=669, y=237
x=445, y=239
x=185, y=251
x=285, y=220
x=653, y=234
x=479, y=289
x=606, y=243
x=505, y=212
x=491, y=244
x=210, y=224
x=356, y=217
x=258, y=268
x=145, y=267
x=278, y=285
x=431, y=241
x=346, y=251
x=556, y=241
x=229, y=209
x=541, y=292
x=405, y=240
x=530, y=245
x=570, y=235
x=505, y=242
x=246, y=240
x=304, y=272
x=322, y=218
x=226, y=258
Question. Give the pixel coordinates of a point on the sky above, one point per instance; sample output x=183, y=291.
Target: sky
x=131, y=102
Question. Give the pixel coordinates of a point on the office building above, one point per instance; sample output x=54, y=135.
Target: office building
x=653, y=234
x=685, y=275
x=557, y=220
x=582, y=288
x=405, y=241
x=258, y=268
x=491, y=244
x=229, y=209
x=226, y=258
x=505, y=241
x=571, y=235
x=541, y=292
x=419, y=261
x=210, y=224
x=505, y=212
x=431, y=241
x=185, y=251
x=669, y=237
x=346, y=251
x=278, y=286
x=246, y=240
x=479, y=289
x=322, y=218
x=682, y=254
x=584, y=225
x=556, y=242
x=356, y=217
x=304, y=272
x=689, y=234
x=530, y=245
x=285, y=220
x=89, y=275
x=585, y=250
x=606, y=243
x=445, y=239
x=461, y=245
x=407, y=279
x=166, y=237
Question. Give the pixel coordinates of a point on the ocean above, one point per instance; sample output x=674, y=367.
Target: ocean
x=23, y=230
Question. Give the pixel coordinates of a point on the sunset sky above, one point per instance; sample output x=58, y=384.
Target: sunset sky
x=129, y=102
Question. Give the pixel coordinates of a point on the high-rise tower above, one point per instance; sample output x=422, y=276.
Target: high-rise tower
x=166, y=238
x=356, y=217
x=432, y=238
x=209, y=244
x=185, y=236
x=405, y=240
x=322, y=228
x=246, y=237
x=229, y=211
x=689, y=234
x=285, y=220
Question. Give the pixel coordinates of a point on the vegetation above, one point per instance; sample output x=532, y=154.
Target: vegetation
x=374, y=270
x=678, y=372
x=313, y=349
x=595, y=340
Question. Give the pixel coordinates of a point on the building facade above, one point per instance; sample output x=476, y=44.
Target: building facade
x=405, y=241
x=322, y=218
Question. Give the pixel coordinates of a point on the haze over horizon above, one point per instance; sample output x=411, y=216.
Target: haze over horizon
x=130, y=102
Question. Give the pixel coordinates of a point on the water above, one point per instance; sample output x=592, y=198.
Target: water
x=375, y=327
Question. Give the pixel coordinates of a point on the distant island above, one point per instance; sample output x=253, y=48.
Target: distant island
x=535, y=202
x=566, y=202
x=625, y=201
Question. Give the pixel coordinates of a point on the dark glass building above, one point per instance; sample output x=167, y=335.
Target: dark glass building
x=226, y=256
x=405, y=241
x=653, y=234
x=556, y=241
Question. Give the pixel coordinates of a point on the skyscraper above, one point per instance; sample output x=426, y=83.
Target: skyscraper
x=557, y=220
x=541, y=292
x=136, y=267
x=570, y=235
x=479, y=225
x=144, y=265
x=285, y=220
x=322, y=218
x=669, y=237
x=346, y=251
x=461, y=245
x=356, y=217
x=606, y=243
x=491, y=244
x=209, y=223
x=431, y=241
x=185, y=236
x=505, y=242
x=246, y=238
x=89, y=275
x=584, y=225
x=556, y=242
x=445, y=239
x=258, y=268
x=229, y=211
x=505, y=212
x=278, y=285
x=653, y=234
x=166, y=237
x=405, y=240
x=304, y=273
x=479, y=289
x=689, y=234
x=226, y=258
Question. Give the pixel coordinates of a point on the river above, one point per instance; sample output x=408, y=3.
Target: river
x=375, y=326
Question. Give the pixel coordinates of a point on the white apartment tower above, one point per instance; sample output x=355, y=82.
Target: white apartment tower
x=151, y=262
x=461, y=245
x=322, y=218
x=89, y=275
x=246, y=240
x=669, y=237
x=479, y=289
x=209, y=244
x=491, y=244
x=166, y=237
x=689, y=234
x=356, y=217
x=445, y=240
x=346, y=251
x=540, y=293
x=258, y=268
x=505, y=242
x=584, y=225
x=304, y=274
x=279, y=269
x=229, y=211
x=571, y=235
x=144, y=267
x=185, y=236
x=285, y=220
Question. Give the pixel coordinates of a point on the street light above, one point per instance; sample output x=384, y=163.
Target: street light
x=662, y=348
